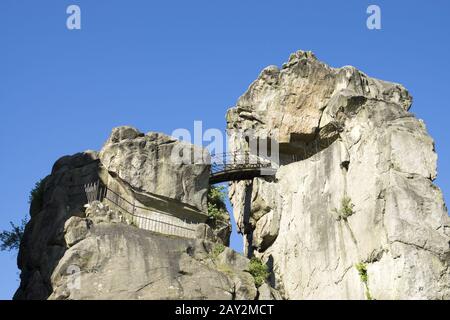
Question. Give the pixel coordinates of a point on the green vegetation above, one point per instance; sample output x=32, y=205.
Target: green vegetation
x=258, y=270
x=37, y=195
x=216, y=250
x=214, y=213
x=10, y=240
x=362, y=271
x=346, y=209
x=216, y=203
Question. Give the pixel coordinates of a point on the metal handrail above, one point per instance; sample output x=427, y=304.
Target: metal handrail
x=95, y=191
x=227, y=161
x=122, y=198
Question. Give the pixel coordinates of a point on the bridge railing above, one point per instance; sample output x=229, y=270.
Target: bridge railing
x=141, y=217
x=238, y=160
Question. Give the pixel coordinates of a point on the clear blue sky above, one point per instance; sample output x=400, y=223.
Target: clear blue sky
x=160, y=65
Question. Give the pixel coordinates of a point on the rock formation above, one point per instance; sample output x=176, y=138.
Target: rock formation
x=352, y=212
x=75, y=250
x=112, y=260
x=144, y=162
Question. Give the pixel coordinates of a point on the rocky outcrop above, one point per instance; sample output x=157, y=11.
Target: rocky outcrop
x=352, y=212
x=71, y=250
x=107, y=259
x=149, y=165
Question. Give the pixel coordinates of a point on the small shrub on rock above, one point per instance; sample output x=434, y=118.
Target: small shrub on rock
x=258, y=270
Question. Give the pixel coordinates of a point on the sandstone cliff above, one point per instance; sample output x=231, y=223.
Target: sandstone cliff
x=352, y=212
x=127, y=246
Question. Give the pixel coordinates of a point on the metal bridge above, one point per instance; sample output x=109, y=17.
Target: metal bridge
x=236, y=166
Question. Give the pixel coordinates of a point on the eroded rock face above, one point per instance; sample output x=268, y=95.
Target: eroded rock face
x=67, y=243
x=43, y=244
x=147, y=164
x=112, y=260
x=292, y=104
x=365, y=197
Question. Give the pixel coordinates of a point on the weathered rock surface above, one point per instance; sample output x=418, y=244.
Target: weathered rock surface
x=71, y=250
x=147, y=163
x=112, y=260
x=352, y=212
x=355, y=185
x=43, y=244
